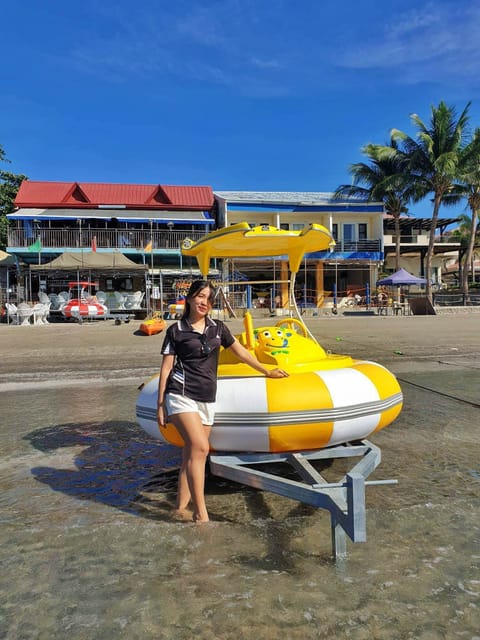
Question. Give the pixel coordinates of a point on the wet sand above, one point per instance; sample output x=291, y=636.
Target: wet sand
x=89, y=548
x=102, y=343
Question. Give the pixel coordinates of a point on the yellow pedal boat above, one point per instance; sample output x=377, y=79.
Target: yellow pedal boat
x=328, y=399
x=152, y=326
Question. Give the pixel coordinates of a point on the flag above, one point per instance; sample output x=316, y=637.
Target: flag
x=36, y=246
x=94, y=243
x=148, y=248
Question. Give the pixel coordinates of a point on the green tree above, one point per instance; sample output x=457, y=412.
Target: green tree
x=383, y=179
x=9, y=186
x=469, y=177
x=434, y=157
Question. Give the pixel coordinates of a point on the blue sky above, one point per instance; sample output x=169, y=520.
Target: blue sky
x=236, y=94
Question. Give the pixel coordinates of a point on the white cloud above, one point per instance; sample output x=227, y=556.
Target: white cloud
x=436, y=43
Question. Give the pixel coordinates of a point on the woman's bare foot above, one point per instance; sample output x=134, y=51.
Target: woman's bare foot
x=200, y=518
x=184, y=515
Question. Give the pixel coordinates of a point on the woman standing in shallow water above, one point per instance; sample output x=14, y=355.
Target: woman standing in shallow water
x=188, y=384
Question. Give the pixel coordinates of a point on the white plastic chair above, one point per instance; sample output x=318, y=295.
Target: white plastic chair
x=43, y=298
x=37, y=313
x=40, y=313
x=119, y=299
x=62, y=298
x=46, y=313
x=101, y=297
x=12, y=313
x=134, y=300
x=54, y=301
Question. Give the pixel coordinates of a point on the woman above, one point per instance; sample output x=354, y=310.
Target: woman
x=188, y=384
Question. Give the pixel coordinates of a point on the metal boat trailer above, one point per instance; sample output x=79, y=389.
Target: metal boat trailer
x=345, y=500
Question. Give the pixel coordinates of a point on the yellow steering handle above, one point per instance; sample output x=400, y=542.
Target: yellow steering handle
x=294, y=325
x=249, y=334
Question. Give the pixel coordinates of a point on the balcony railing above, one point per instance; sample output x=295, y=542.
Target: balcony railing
x=122, y=239
x=355, y=246
x=420, y=240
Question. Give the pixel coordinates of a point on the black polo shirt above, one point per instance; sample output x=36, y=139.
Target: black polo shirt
x=194, y=373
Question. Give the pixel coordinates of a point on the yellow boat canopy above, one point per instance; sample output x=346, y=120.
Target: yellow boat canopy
x=242, y=241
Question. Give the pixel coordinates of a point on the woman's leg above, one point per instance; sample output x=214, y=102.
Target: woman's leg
x=183, y=494
x=191, y=482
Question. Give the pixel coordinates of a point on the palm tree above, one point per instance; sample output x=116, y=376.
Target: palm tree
x=469, y=176
x=386, y=180
x=434, y=157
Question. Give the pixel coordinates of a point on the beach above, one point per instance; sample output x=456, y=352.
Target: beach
x=104, y=347
x=90, y=549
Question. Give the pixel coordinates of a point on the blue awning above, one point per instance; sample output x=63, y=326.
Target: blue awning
x=122, y=215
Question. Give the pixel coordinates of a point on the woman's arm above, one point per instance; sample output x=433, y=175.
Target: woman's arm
x=167, y=365
x=245, y=356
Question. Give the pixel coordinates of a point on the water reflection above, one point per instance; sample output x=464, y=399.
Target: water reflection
x=89, y=549
x=115, y=464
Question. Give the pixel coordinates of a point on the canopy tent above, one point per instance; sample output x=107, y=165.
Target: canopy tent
x=90, y=260
x=7, y=260
x=7, y=264
x=401, y=278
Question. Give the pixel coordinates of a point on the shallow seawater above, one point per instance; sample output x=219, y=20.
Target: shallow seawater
x=90, y=550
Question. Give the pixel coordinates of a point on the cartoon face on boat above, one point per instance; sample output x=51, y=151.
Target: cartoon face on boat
x=273, y=340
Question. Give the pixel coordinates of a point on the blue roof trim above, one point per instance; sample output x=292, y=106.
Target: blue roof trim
x=52, y=217
x=346, y=255
x=166, y=220
x=320, y=208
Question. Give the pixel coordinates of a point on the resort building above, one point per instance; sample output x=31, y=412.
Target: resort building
x=414, y=239
x=145, y=223
x=351, y=266
x=148, y=223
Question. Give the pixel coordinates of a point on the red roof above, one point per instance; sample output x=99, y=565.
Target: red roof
x=91, y=194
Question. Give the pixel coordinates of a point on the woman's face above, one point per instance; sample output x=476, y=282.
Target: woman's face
x=200, y=303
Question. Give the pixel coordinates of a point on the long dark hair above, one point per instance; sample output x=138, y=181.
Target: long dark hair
x=195, y=288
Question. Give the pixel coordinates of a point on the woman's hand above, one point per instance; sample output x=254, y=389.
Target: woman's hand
x=162, y=418
x=276, y=373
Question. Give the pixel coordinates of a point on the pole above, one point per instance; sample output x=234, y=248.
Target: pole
x=161, y=292
x=80, y=237
x=151, y=264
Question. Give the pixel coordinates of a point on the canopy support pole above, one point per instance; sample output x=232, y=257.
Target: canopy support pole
x=345, y=500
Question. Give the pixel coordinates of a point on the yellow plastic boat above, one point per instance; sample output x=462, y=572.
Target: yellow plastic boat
x=152, y=326
x=328, y=399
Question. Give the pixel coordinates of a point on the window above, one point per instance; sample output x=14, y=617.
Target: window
x=362, y=231
x=297, y=226
x=349, y=232
x=335, y=231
